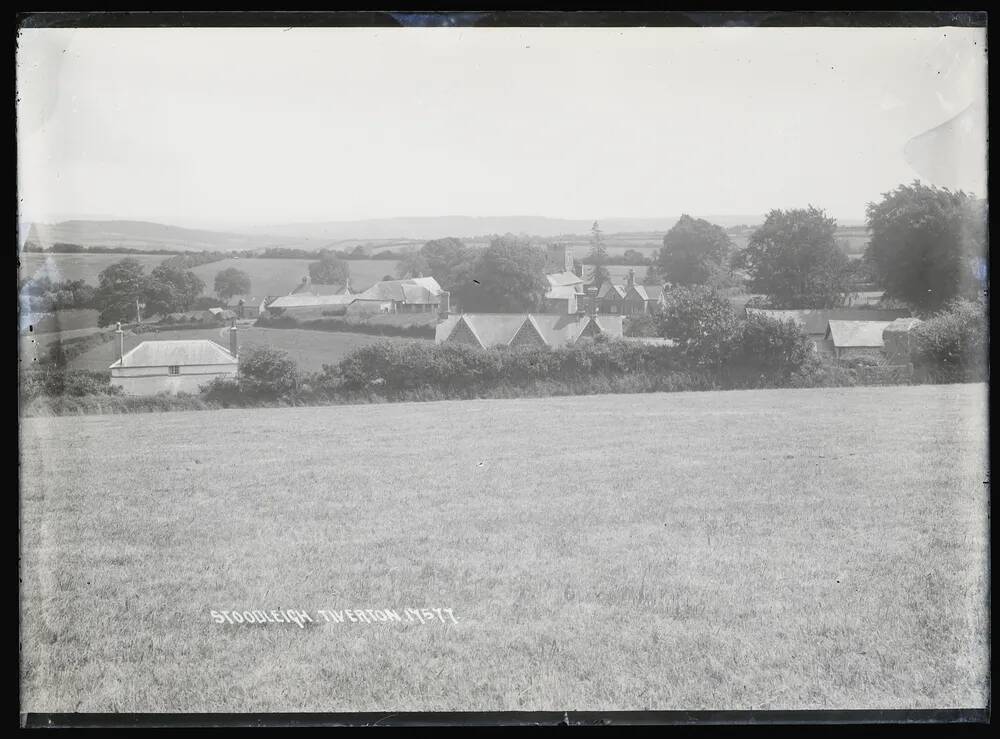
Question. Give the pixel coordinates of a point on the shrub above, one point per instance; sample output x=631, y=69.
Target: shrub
x=267, y=372
x=953, y=344
x=771, y=350
x=54, y=382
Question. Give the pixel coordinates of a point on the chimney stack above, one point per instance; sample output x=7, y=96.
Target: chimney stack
x=631, y=278
x=233, y=343
x=121, y=345
x=444, y=307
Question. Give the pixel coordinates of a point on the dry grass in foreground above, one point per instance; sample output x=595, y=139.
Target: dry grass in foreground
x=740, y=550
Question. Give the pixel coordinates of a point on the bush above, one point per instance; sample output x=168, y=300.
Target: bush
x=54, y=382
x=266, y=372
x=953, y=344
x=772, y=351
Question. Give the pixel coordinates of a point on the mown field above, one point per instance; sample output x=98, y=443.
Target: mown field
x=84, y=267
x=309, y=349
x=802, y=549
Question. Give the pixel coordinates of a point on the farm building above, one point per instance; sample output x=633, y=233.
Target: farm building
x=850, y=339
x=487, y=330
x=413, y=295
x=173, y=367
x=246, y=307
x=814, y=322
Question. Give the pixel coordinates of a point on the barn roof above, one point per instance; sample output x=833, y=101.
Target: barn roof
x=420, y=290
x=856, y=334
x=815, y=321
x=179, y=352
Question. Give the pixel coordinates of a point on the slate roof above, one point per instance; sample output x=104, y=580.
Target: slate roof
x=498, y=329
x=416, y=290
x=561, y=292
x=856, y=334
x=815, y=321
x=179, y=352
x=608, y=287
x=562, y=279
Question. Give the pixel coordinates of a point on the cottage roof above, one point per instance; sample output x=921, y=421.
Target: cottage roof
x=856, y=334
x=654, y=292
x=637, y=290
x=815, y=321
x=178, y=352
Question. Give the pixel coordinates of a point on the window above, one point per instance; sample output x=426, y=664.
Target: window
x=174, y=369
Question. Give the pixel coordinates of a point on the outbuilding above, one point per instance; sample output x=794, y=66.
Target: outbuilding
x=173, y=367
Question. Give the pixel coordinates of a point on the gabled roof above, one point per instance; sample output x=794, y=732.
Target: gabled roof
x=856, y=334
x=561, y=279
x=607, y=288
x=180, y=352
x=815, y=321
x=654, y=292
x=421, y=290
x=499, y=329
x=638, y=291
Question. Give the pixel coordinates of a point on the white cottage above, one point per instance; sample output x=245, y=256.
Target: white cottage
x=173, y=367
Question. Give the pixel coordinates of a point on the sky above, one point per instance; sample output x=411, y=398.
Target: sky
x=228, y=127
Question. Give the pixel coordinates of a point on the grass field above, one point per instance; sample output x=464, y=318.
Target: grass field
x=84, y=267
x=310, y=349
x=742, y=550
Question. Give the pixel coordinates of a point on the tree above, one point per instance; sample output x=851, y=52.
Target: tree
x=230, y=282
x=508, y=277
x=693, y=251
x=329, y=270
x=267, y=372
x=928, y=245
x=170, y=289
x=702, y=322
x=120, y=286
x=412, y=264
x=793, y=259
x=598, y=256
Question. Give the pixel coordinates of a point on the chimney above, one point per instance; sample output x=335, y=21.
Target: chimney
x=233, y=343
x=444, y=307
x=121, y=345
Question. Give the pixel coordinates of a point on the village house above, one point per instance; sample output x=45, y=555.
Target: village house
x=182, y=366
x=311, y=300
x=487, y=330
x=814, y=322
x=630, y=299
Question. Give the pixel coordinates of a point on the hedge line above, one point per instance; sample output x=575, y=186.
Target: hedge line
x=348, y=325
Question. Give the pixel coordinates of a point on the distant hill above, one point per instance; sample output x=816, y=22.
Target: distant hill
x=398, y=233
x=142, y=235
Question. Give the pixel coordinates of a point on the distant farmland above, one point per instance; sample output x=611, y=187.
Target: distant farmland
x=281, y=276
x=780, y=549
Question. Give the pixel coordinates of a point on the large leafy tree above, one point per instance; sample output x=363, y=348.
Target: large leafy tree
x=230, y=282
x=693, y=251
x=119, y=287
x=171, y=289
x=928, y=245
x=508, y=277
x=703, y=323
x=329, y=270
x=793, y=258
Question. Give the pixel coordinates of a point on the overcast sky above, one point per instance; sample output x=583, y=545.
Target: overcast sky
x=221, y=127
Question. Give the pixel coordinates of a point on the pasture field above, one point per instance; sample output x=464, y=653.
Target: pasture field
x=84, y=267
x=309, y=349
x=281, y=276
x=801, y=549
